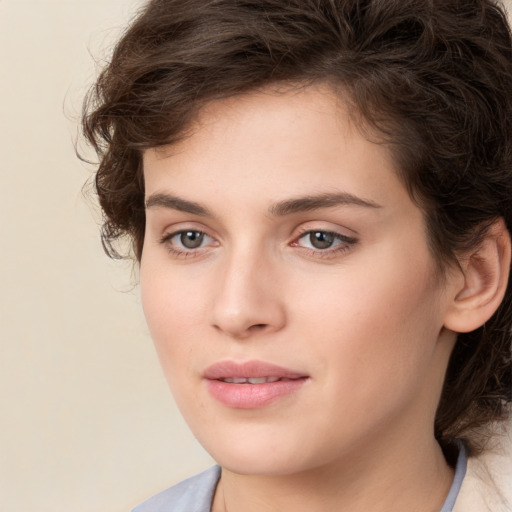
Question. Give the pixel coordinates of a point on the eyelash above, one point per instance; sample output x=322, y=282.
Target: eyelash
x=182, y=252
x=345, y=243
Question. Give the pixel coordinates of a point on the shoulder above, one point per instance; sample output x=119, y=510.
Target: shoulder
x=194, y=494
x=487, y=486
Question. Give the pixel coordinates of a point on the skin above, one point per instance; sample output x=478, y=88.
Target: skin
x=364, y=319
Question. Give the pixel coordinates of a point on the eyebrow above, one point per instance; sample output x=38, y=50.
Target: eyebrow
x=316, y=202
x=176, y=203
x=280, y=209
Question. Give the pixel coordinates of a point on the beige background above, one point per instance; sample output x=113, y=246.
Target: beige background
x=86, y=420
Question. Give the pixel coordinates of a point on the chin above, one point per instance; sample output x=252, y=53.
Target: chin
x=257, y=465
x=264, y=453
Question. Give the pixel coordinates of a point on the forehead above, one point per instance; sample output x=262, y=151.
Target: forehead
x=274, y=144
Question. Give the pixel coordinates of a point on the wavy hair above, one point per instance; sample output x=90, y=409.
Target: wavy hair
x=433, y=77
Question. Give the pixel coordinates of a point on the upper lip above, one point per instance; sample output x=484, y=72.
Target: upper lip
x=249, y=369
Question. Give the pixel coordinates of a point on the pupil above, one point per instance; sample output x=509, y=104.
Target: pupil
x=321, y=240
x=191, y=239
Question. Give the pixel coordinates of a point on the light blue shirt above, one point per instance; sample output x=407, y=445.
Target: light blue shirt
x=196, y=493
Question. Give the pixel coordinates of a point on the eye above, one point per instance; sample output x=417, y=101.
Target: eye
x=186, y=241
x=320, y=239
x=324, y=243
x=189, y=239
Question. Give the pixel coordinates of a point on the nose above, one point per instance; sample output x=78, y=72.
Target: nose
x=248, y=298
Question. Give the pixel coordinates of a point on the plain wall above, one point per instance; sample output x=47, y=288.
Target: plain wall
x=86, y=420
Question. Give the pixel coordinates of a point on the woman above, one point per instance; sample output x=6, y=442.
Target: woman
x=318, y=195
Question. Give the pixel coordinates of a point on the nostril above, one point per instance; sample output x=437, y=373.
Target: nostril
x=258, y=327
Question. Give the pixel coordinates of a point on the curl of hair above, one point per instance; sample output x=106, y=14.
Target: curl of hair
x=432, y=77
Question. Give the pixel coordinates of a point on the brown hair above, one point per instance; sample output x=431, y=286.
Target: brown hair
x=433, y=76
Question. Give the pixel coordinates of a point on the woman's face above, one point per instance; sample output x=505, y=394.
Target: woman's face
x=288, y=286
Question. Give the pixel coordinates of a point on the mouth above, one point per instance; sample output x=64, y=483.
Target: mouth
x=251, y=372
x=252, y=384
x=251, y=380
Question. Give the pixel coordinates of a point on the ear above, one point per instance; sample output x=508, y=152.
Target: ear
x=484, y=281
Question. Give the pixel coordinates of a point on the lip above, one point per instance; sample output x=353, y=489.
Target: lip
x=248, y=395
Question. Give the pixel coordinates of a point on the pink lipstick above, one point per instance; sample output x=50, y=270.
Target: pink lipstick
x=251, y=384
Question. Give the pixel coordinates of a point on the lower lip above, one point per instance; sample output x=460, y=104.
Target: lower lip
x=252, y=396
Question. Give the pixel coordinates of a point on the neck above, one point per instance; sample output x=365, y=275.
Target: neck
x=414, y=477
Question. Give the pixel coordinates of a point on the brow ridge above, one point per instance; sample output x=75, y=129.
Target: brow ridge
x=282, y=208
x=176, y=203
x=316, y=202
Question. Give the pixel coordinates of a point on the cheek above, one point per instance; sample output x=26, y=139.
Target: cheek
x=379, y=325
x=172, y=310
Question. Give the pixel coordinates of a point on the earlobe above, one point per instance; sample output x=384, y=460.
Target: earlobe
x=485, y=278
